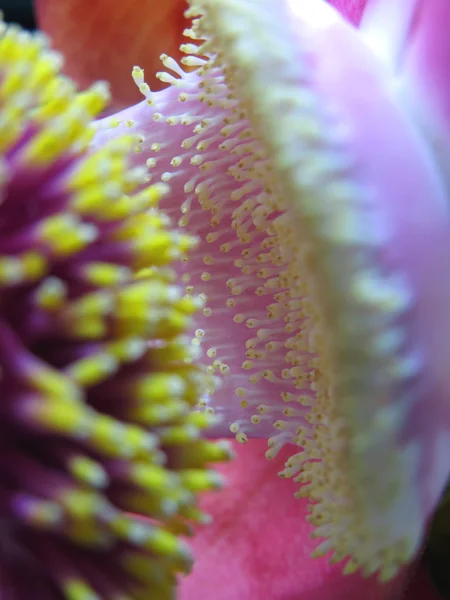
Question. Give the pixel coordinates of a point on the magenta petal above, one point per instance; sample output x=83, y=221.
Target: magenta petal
x=351, y=9
x=259, y=545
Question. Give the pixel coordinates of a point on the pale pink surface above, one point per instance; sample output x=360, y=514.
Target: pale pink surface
x=258, y=547
x=427, y=56
x=427, y=74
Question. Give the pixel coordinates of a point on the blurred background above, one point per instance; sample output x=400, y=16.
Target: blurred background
x=18, y=11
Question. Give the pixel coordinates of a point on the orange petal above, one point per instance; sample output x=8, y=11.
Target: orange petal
x=104, y=39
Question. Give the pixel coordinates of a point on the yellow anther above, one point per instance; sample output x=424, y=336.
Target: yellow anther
x=65, y=235
x=88, y=471
x=92, y=370
x=78, y=589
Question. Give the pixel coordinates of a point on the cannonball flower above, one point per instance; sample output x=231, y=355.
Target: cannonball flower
x=101, y=454
x=311, y=160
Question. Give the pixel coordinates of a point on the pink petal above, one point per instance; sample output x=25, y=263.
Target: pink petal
x=412, y=202
x=259, y=545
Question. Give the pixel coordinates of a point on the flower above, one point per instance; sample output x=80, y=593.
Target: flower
x=97, y=381
x=367, y=213
x=316, y=201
